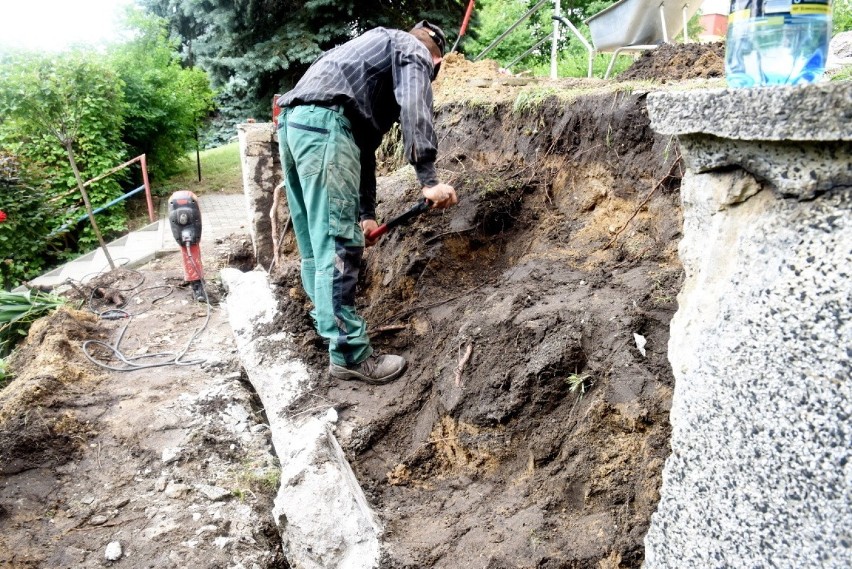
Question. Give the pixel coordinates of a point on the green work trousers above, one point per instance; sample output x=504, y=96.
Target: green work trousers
x=322, y=174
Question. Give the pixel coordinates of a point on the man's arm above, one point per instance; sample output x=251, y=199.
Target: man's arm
x=412, y=70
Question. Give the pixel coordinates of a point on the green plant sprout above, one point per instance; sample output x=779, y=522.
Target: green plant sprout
x=579, y=383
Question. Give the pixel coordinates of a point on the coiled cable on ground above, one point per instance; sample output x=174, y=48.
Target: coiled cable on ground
x=120, y=312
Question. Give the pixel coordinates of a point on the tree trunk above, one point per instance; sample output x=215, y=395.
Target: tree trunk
x=86, y=201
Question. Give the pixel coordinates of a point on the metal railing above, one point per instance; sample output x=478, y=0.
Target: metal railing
x=558, y=18
x=583, y=40
x=511, y=28
x=142, y=159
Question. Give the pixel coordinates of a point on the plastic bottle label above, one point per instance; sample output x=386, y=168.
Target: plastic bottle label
x=739, y=16
x=810, y=9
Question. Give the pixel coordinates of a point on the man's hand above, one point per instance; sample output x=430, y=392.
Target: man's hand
x=367, y=226
x=442, y=195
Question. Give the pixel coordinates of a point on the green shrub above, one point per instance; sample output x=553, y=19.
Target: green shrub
x=27, y=218
x=71, y=97
x=18, y=311
x=4, y=374
x=841, y=16
x=165, y=103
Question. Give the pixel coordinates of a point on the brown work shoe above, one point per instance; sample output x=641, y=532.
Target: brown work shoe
x=375, y=370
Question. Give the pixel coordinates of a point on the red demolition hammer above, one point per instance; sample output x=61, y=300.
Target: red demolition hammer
x=185, y=219
x=421, y=206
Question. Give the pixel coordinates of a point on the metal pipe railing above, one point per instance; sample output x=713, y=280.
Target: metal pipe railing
x=142, y=159
x=580, y=37
x=554, y=47
x=98, y=210
x=500, y=38
x=529, y=51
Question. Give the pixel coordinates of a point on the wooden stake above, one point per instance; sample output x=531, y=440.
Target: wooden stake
x=70, y=151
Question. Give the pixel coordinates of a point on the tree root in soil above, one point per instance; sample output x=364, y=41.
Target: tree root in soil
x=646, y=200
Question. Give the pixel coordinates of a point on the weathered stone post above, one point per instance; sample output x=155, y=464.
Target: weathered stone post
x=761, y=345
x=261, y=175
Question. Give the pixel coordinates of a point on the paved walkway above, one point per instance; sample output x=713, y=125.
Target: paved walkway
x=221, y=215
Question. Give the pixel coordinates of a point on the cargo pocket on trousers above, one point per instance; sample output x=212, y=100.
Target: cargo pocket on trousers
x=309, y=145
x=343, y=201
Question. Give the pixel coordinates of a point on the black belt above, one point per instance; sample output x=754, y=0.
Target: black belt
x=337, y=108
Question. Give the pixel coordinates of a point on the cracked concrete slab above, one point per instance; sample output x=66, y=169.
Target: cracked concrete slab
x=321, y=511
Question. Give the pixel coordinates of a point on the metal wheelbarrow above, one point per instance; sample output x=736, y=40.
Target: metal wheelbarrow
x=639, y=25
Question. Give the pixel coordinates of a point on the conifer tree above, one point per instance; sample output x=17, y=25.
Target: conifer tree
x=253, y=49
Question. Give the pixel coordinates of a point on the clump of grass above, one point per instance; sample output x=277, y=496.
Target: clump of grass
x=4, y=374
x=18, y=310
x=842, y=74
x=531, y=99
x=390, y=154
x=253, y=479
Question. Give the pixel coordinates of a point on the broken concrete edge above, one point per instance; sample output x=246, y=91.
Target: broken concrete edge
x=799, y=139
x=261, y=171
x=321, y=511
x=800, y=170
x=255, y=138
x=820, y=112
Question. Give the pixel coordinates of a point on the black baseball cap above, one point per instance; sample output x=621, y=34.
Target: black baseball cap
x=436, y=33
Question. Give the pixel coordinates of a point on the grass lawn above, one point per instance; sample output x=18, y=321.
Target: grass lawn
x=220, y=172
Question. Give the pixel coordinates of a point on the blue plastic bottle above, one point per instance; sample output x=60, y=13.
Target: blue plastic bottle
x=777, y=42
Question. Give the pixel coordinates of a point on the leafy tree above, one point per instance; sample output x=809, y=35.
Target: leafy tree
x=64, y=115
x=253, y=49
x=165, y=103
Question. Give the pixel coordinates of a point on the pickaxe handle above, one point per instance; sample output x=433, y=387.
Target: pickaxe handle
x=464, y=25
x=421, y=206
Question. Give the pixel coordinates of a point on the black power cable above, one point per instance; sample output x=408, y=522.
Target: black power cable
x=131, y=363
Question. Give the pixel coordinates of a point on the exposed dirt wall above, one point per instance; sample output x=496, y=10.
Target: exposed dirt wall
x=529, y=429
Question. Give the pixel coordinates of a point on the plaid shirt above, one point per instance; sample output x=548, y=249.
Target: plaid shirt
x=380, y=77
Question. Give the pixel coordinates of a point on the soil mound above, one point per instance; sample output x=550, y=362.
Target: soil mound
x=462, y=80
x=47, y=369
x=456, y=71
x=677, y=62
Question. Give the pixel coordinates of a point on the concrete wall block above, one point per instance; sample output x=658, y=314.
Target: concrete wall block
x=800, y=170
x=323, y=515
x=790, y=113
x=760, y=473
x=322, y=512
